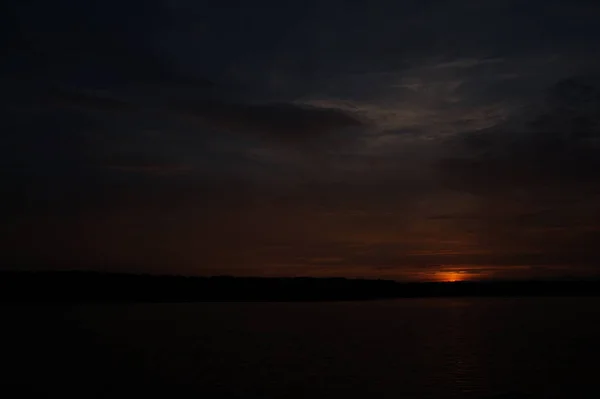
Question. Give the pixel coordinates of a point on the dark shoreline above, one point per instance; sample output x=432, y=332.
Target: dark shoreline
x=76, y=286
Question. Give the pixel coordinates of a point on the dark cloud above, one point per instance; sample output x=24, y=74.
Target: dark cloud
x=285, y=122
x=61, y=97
x=142, y=163
x=536, y=181
x=282, y=122
x=558, y=147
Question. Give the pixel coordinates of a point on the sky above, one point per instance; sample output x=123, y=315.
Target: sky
x=413, y=140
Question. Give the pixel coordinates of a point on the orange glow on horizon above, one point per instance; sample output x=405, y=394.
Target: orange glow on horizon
x=450, y=277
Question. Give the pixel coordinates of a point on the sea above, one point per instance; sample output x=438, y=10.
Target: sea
x=439, y=348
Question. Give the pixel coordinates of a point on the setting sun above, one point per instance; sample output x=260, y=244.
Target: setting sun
x=450, y=277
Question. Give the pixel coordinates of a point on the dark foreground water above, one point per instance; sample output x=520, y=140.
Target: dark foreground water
x=408, y=348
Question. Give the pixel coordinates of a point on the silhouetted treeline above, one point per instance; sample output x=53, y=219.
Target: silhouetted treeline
x=95, y=286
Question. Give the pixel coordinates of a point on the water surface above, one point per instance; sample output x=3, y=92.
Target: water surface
x=413, y=348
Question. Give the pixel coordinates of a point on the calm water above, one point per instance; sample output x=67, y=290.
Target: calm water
x=423, y=348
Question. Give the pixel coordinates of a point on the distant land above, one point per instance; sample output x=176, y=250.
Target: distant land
x=85, y=286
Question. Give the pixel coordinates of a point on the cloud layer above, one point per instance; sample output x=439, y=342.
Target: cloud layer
x=397, y=139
